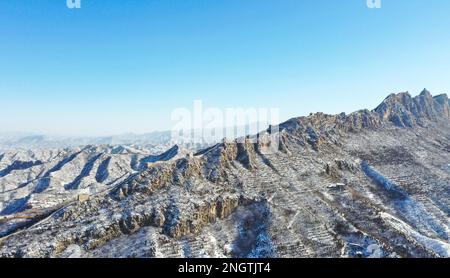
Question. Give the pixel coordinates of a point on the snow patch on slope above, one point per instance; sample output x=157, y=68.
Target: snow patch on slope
x=438, y=246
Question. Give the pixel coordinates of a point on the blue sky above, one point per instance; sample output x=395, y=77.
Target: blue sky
x=122, y=66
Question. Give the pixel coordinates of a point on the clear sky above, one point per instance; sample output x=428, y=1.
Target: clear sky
x=121, y=66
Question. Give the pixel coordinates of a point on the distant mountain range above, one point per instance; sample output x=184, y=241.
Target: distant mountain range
x=373, y=183
x=157, y=141
x=11, y=141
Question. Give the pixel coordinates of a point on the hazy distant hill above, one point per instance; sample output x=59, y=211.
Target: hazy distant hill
x=157, y=141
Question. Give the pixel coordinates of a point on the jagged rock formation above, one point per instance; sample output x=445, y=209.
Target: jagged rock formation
x=406, y=111
x=369, y=184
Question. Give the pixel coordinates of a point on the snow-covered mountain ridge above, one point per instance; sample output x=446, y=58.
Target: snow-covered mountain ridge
x=374, y=183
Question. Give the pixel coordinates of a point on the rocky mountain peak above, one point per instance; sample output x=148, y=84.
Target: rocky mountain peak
x=401, y=110
x=406, y=111
x=425, y=93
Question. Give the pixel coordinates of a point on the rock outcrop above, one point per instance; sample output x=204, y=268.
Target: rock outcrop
x=406, y=111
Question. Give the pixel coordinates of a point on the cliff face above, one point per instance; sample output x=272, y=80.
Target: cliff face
x=369, y=184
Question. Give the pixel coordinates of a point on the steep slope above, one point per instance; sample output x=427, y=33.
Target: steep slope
x=369, y=184
x=35, y=183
